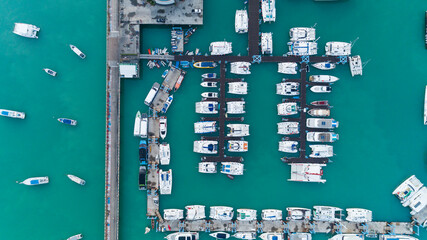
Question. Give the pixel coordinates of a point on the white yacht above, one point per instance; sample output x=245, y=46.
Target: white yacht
x=319, y=112
x=356, y=67
x=288, y=128
x=220, y=48
x=195, y=212
x=396, y=237
x=324, y=65
x=206, y=147
x=75, y=237
x=208, y=84
x=12, y=114
x=165, y=181
x=338, y=49
x=321, y=151
x=210, y=95
x=76, y=179
x=26, y=30
x=243, y=68
x=237, y=146
x=322, y=137
x=322, y=123
x=143, y=126
x=267, y=43
x=302, y=34
x=323, y=78
x=268, y=8
x=238, y=130
x=77, y=51
x=173, y=214
x=348, y=237
x=35, y=181
x=359, y=215
x=304, y=172
x=299, y=48
x=50, y=72
x=163, y=127
x=207, y=107
x=295, y=213
x=183, y=236
x=137, y=125
x=327, y=214
x=220, y=235
x=207, y=167
x=287, y=68
x=287, y=88
x=164, y=153
x=232, y=168
x=288, y=146
x=221, y=213
x=205, y=127
x=299, y=236
x=271, y=236
x=209, y=75
x=236, y=107
x=245, y=235
x=287, y=108
x=244, y=214
x=240, y=88
x=412, y=194
x=271, y=214
x=321, y=89
x=241, y=21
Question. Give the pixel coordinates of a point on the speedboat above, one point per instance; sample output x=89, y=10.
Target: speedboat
x=207, y=107
x=321, y=89
x=76, y=179
x=195, y=212
x=302, y=34
x=241, y=21
x=137, y=125
x=327, y=214
x=143, y=126
x=209, y=75
x=268, y=8
x=267, y=43
x=271, y=236
x=323, y=78
x=318, y=112
x=246, y=214
x=220, y=235
x=288, y=128
x=396, y=237
x=322, y=137
x=295, y=213
x=238, y=130
x=220, y=48
x=320, y=103
x=356, y=67
x=142, y=178
x=173, y=214
x=26, y=30
x=179, y=81
x=35, y=181
x=240, y=68
x=207, y=167
x=407, y=191
x=359, y=215
x=240, y=88
x=236, y=107
x=165, y=181
x=221, y=213
x=167, y=104
x=208, y=84
x=207, y=64
x=206, y=147
x=232, y=168
x=50, y=72
x=305, y=172
x=67, y=121
x=77, y=51
x=324, y=65
x=237, y=146
x=12, y=114
x=205, y=127
x=299, y=236
x=75, y=237
x=287, y=108
x=183, y=236
x=300, y=48
x=288, y=146
x=245, y=235
x=287, y=68
x=322, y=123
x=287, y=88
x=165, y=73
x=143, y=152
x=163, y=127
x=164, y=153
x=348, y=237
x=337, y=49
x=271, y=214
x=321, y=151
x=210, y=95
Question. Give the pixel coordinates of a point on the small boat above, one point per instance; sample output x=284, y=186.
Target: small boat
x=220, y=48
x=267, y=43
x=359, y=215
x=209, y=75
x=237, y=146
x=306, y=172
x=137, y=125
x=287, y=108
x=299, y=236
x=239, y=88
x=210, y=95
x=287, y=88
x=164, y=153
x=322, y=123
x=337, y=49
x=322, y=137
x=236, y=107
x=302, y=34
x=165, y=181
x=142, y=178
x=183, y=236
x=179, y=81
x=288, y=146
x=246, y=214
x=143, y=126
x=26, y=30
x=208, y=84
x=323, y=78
x=35, y=181
x=238, y=130
x=165, y=73
x=327, y=214
x=12, y=114
x=207, y=64
x=220, y=235
x=241, y=21
x=205, y=127
x=163, y=127
x=50, y=72
x=143, y=152
x=288, y=128
x=76, y=179
x=287, y=68
x=173, y=214
x=321, y=89
x=324, y=65
x=67, y=121
x=318, y=112
x=348, y=237
x=300, y=48
x=268, y=9
x=321, y=151
x=295, y=213
x=271, y=236
x=205, y=147
x=221, y=213
x=271, y=215
x=356, y=67
x=232, y=168
x=75, y=237
x=396, y=237
x=320, y=103
x=207, y=167
x=195, y=212
x=167, y=104
x=240, y=68
x=77, y=51
x=245, y=235
x=207, y=107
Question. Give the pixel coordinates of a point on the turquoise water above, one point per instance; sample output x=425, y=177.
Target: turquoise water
x=381, y=131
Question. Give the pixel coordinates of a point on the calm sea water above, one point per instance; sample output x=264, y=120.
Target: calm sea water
x=381, y=132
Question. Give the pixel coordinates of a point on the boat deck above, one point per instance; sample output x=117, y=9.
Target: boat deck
x=159, y=100
x=153, y=127
x=421, y=216
x=171, y=78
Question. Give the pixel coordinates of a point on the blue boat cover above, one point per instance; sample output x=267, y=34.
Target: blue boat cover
x=274, y=238
x=211, y=147
x=33, y=182
x=221, y=236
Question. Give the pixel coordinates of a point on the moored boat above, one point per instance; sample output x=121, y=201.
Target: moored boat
x=320, y=103
x=299, y=236
x=207, y=64
x=167, y=104
x=288, y=146
x=165, y=181
x=75, y=237
x=295, y=213
x=183, y=236
x=76, y=179
x=321, y=151
x=271, y=236
x=327, y=214
x=205, y=147
x=208, y=84
x=322, y=123
x=209, y=75
x=288, y=128
x=35, y=181
x=305, y=172
x=321, y=89
x=207, y=167
x=267, y=43
x=268, y=9
x=143, y=150
x=302, y=34
x=359, y=215
x=246, y=214
x=142, y=178
x=164, y=153
x=195, y=212
x=322, y=137
x=239, y=88
x=67, y=121
x=179, y=81
x=348, y=237
x=207, y=107
x=240, y=68
x=236, y=107
x=319, y=112
x=50, y=72
x=238, y=130
x=287, y=108
x=237, y=146
x=221, y=213
x=210, y=95
x=396, y=237
x=324, y=65
x=323, y=78
x=220, y=235
x=356, y=67
x=287, y=68
x=300, y=48
x=287, y=88
x=26, y=30
x=137, y=125
x=173, y=214
x=12, y=114
x=163, y=127
x=337, y=49
x=245, y=235
x=241, y=21
x=205, y=127
x=221, y=48
x=232, y=168
x=77, y=51
x=271, y=214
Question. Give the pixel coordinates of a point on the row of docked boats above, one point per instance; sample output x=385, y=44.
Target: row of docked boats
x=211, y=146
x=45, y=180
x=228, y=168
x=355, y=64
x=239, y=88
x=212, y=107
x=291, y=108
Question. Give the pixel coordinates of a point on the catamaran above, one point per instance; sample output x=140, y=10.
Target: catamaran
x=207, y=107
x=245, y=235
x=323, y=78
x=305, y=172
x=195, y=212
x=207, y=167
x=241, y=21
x=300, y=48
x=238, y=130
x=321, y=151
x=77, y=51
x=268, y=8
x=205, y=147
x=287, y=68
x=183, y=236
x=287, y=88
x=173, y=214
x=327, y=214
x=267, y=43
x=76, y=179
x=165, y=181
x=239, y=88
x=50, y=72
x=299, y=236
x=396, y=237
x=12, y=114
x=240, y=68
x=35, y=181
x=236, y=107
x=302, y=34
x=337, y=49
x=164, y=153
x=288, y=146
x=295, y=213
x=287, y=108
x=246, y=214
x=356, y=67
x=271, y=236
x=348, y=237
x=271, y=214
x=67, y=121
x=237, y=146
x=163, y=127
x=324, y=65
x=359, y=215
x=221, y=213
x=26, y=30
x=232, y=168
x=205, y=127
x=288, y=128
x=220, y=48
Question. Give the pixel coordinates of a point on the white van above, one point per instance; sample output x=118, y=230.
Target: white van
x=152, y=94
